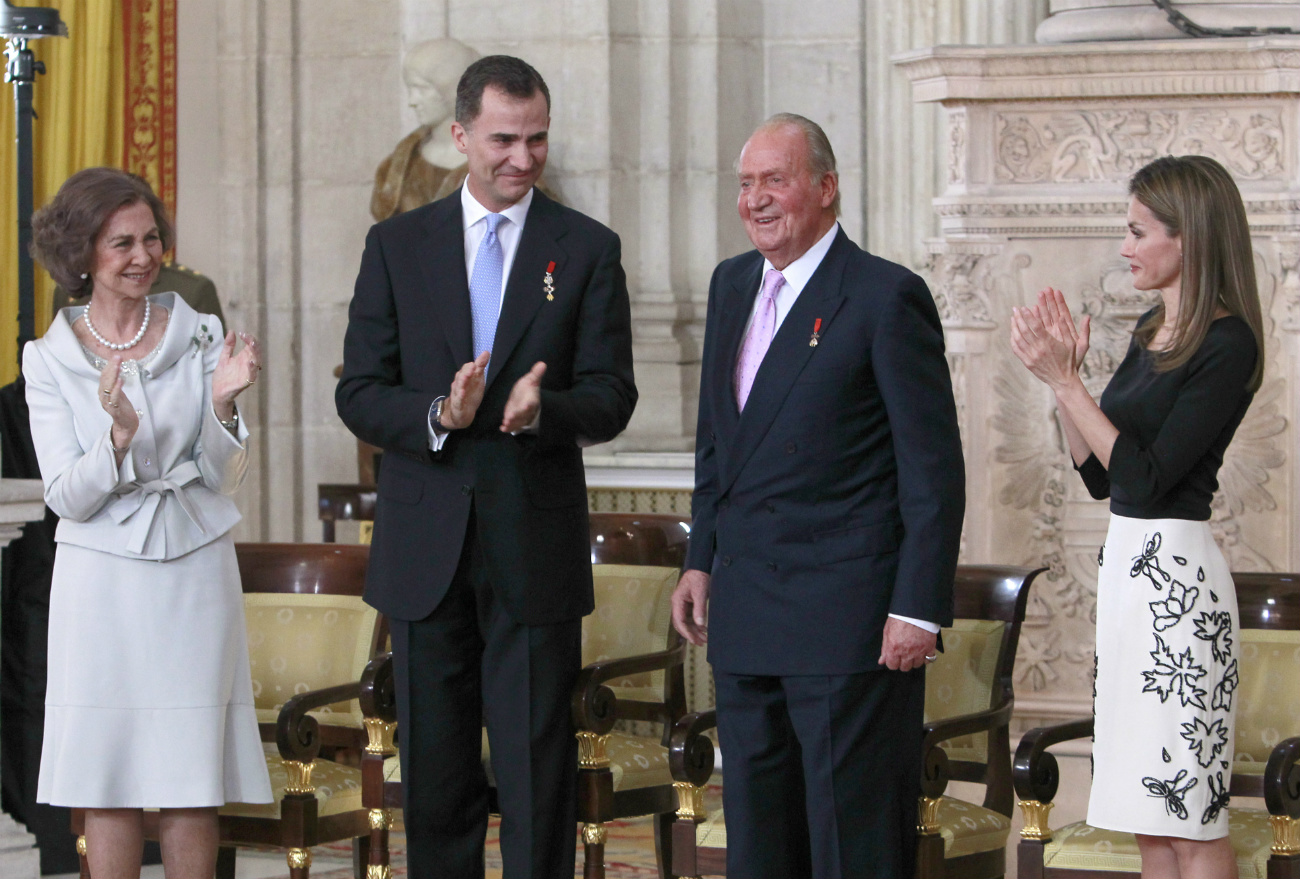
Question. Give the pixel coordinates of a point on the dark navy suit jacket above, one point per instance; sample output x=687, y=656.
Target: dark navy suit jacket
x=409, y=331
x=837, y=497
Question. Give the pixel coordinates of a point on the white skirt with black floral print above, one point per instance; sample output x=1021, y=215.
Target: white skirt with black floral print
x=1166, y=678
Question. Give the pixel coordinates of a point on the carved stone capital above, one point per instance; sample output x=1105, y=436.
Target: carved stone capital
x=591, y=750
x=690, y=801
x=299, y=777
x=1035, y=815
x=594, y=834
x=1286, y=835
x=927, y=823
x=380, y=733
x=298, y=858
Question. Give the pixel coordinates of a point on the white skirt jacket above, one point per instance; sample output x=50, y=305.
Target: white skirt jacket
x=170, y=495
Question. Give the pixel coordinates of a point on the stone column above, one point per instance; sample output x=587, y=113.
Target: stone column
x=1041, y=143
x=21, y=501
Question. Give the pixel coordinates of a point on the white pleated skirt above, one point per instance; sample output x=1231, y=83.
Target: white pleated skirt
x=1165, y=683
x=149, y=702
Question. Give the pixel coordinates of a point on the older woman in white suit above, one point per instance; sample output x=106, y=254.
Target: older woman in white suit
x=132, y=399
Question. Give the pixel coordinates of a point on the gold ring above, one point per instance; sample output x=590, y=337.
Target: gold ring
x=107, y=393
x=250, y=380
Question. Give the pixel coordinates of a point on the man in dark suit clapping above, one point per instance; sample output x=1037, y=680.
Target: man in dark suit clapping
x=829, y=495
x=488, y=338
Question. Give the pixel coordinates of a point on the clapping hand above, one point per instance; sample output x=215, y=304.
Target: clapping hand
x=116, y=404
x=235, y=373
x=1045, y=340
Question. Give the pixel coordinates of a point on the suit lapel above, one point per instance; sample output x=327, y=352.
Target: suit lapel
x=442, y=261
x=786, y=358
x=538, y=248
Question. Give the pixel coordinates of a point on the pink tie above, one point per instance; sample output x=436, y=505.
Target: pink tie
x=758, y=338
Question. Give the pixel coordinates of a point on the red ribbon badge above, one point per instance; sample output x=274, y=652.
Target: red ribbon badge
x=816, y=333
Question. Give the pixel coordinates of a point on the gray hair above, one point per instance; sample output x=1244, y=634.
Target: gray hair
x=821, y=158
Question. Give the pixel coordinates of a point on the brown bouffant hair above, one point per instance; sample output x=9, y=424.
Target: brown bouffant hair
x=1195, y=198
x=64, y=231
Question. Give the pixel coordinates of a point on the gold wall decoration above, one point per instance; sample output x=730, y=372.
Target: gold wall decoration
x=149, y=144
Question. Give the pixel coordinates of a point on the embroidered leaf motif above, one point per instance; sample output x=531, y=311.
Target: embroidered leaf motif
x=1206, y=742
x=1216, y=627
x=1214, y=596
x=1200, y=576
x=1168, y=611
x=1148, y=564
x=1218, y=797
x=1182, y=561
x=1170, y=791
x=1175, y=673
x=1224, y=689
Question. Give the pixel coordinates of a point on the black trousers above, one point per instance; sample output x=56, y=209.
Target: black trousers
x=821, y=774
x=466, y=664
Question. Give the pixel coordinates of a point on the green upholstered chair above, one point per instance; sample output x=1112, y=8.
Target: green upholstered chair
x=310, y=637
x=968, y=702
x=1267, y=741
x=627, y=698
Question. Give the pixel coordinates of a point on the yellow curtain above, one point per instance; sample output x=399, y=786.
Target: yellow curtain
x=79, y=103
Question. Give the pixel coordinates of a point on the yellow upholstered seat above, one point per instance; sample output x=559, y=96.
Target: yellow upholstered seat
x=298, y=643
x=338, y=789
x=960, y=680
x=1081, y=847
x=969, y=829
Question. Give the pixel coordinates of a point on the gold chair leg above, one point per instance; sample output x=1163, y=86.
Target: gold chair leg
x=378, y=867
x=593, y=849
x=299, y=863
x=83, y=861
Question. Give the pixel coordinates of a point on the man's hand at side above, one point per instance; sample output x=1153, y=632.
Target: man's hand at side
x=691, y=607
x=525, y=400
x=905, y=646
x=466, y=394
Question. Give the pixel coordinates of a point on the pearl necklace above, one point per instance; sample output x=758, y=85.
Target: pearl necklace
x=113, y=345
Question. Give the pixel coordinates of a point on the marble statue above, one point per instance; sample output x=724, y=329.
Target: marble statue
x=425, y=166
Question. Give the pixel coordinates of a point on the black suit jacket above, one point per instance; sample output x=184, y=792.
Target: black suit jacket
x=409, y=331
x=837, y=497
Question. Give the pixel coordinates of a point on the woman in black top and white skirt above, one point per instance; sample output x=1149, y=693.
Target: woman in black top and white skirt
x=1166, y=606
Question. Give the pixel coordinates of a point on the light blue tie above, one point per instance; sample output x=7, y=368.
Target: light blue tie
x=485, y=287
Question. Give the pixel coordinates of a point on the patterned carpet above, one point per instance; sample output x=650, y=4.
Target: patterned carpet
x=629, y=849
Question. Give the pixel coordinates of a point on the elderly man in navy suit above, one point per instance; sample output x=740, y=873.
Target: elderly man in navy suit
x=829, y=495
x=488, y=339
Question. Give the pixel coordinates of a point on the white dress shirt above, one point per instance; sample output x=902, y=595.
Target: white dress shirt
x=474, y=226
x=797, y=274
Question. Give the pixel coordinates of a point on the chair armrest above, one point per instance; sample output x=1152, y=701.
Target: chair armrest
x=596, y=707
x=935, y=774
x=690, y=751
x=1282, y=779
x=378, y=696
x=297, y=733
x=1035, y=773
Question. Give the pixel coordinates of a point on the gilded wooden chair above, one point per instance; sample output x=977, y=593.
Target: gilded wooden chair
x=310, y=637
x=968, y=702
x=627, y=698
x=1267, y=741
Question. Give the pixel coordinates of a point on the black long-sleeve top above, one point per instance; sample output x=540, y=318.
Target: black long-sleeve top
x=1173, y=426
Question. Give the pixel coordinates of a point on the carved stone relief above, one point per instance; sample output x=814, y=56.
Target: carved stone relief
x=1089, y=146
x=956, y=147
x=1288, y=251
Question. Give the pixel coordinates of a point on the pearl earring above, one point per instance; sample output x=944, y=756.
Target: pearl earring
x=85, y=275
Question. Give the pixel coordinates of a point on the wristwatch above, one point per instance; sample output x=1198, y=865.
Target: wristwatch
x=437, y=414
x=233, y=424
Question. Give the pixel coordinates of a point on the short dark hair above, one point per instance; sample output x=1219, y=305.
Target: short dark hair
x=514, y=76
x=64, y=231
